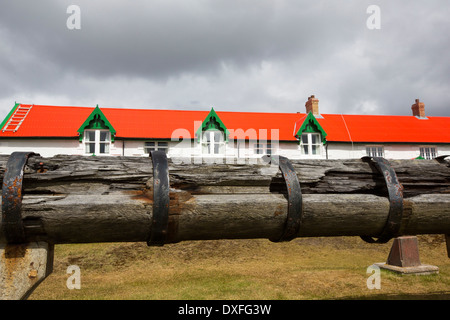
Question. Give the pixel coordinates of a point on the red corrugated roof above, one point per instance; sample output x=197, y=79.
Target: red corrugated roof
x=374, y=128
x=57, y=121
x=50, y=121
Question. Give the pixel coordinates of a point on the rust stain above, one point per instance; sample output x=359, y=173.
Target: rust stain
x=144, y=196
x=178, y=201
x=14, y=191
x=140, y=195
x=41, y=168
x=33, y=274
x=12, y=259
x=132, y=192
x=279, y=211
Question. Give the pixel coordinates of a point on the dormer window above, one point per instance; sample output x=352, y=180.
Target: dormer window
x=311, y=136
x=96, y=134
x=212, y=135
x=310, y=143
x=213, y=142
x=97, y=141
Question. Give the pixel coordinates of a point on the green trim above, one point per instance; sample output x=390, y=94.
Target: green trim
x=212, y=122
x=310, y=124
x=16, y=105
x=96, y=120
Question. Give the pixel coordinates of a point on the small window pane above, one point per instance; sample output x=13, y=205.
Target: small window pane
x=104, y=136
x=90, y=135
x=258, y=148
x=90, y=147
x=305, y=149
x=269, y=149
x=104, y=147
x=163, y=144
x=433, y=153
x=218, y=136
x=205, y=148
x=314, y=139
x=305, y=138
x=380, y=151
x=207, y=136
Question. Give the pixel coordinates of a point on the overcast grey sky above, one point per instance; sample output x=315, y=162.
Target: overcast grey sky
x=233, y=55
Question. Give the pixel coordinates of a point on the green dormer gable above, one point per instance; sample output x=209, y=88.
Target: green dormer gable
x=96, y=120
x=310, y=124
x=212, y=122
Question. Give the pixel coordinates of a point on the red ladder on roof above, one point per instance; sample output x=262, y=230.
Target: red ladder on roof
x=17, y=118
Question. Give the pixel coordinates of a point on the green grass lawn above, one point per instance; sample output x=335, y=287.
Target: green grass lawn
x=310, y=268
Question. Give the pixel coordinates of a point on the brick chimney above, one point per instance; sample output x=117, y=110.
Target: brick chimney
x=312, y=105
x=418, y=109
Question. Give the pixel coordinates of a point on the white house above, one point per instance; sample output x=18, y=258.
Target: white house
x=51, y=130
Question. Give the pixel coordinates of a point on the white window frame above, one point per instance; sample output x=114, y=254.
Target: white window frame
x=97, y=142
x=264, y=148
x=428, y=152
x=209, y=147
x=375, y=151
x=153, y=145
x=308, y=151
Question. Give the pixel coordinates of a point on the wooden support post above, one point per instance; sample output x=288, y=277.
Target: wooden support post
x=23, y=267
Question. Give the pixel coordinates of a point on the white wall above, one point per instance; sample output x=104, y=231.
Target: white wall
x=45, y=147
x=391, y=151
x=187, y=148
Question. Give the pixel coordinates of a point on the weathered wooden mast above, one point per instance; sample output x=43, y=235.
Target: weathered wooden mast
x=74, y=199
x=69, y=199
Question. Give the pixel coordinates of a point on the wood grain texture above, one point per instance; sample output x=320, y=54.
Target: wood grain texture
x=75, y=199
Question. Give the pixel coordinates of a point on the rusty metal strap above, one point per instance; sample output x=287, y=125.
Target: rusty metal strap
x=395, y=191
x=12, y=197
x=160, y=219
x=441, y=159
x=295, y=204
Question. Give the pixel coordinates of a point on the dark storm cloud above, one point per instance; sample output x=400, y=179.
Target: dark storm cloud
x=160, y=38
x=264, y=55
